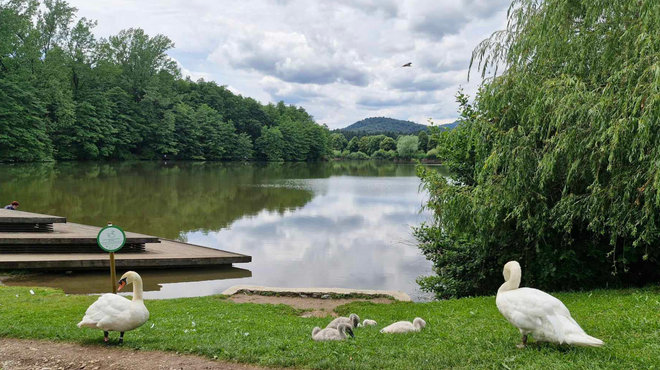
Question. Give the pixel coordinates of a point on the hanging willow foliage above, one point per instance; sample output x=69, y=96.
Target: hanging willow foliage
x=557, y=162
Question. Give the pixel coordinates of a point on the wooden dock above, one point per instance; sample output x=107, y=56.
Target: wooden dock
x=71, y=246
x=19, y=221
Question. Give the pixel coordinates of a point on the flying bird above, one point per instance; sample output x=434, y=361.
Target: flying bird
x=409, y=64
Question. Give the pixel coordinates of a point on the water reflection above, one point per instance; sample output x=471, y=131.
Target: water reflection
x=338, y=224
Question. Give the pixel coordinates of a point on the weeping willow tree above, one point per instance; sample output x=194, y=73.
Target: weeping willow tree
x=557, y=161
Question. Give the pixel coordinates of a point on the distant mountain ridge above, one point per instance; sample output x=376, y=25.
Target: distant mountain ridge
x=376, y=125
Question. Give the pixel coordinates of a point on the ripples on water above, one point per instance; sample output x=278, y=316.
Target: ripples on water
x=338, y=224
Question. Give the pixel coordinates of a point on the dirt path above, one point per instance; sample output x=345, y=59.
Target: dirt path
x=318, y=307
x=17, y=354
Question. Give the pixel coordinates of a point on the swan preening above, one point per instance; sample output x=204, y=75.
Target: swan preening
x=331, y=333
x=353, y=320
x=112, y=312
x=538, y=313
x=405, y=326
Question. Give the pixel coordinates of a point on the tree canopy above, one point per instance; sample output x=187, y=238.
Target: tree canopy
x=557, y=162
x=66, y=95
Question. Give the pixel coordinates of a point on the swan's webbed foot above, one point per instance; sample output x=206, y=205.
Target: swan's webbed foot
x=106, y=339
x=121, y=338
x=524, y=342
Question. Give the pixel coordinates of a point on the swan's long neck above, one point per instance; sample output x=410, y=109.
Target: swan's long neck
x=513, y=282
x=137, y=289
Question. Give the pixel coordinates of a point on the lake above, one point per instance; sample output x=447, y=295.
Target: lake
x=335, y=224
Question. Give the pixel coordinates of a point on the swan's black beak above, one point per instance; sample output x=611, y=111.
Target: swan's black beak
x=350, y=332
x=122, y=283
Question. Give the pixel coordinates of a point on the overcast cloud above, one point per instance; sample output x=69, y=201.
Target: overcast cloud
x=338, y=59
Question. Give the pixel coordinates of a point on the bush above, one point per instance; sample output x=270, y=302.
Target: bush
x=556, y=162
x=336, y=154
x=432, y=154
x=383, y=155
x=358, y=156
x=345, y=153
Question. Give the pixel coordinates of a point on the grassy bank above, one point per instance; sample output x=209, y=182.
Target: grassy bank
x=461, y=334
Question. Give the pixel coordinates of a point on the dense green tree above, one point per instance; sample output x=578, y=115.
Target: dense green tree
x=271, y=144
x=374, y=143
x=388, y=144
x=557, y=158
x=354, y=145
x=22, y=125
x=363, y=144
x=407, y=146
x=423, y=141
x=338, y=141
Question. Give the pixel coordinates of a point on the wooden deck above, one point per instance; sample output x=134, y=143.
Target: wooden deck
x=19, y=217
x=166, y=254
x=69, y=233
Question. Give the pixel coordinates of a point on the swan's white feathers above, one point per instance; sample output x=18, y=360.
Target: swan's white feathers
x=330, y=333
x=543, y=316
x=112, y=312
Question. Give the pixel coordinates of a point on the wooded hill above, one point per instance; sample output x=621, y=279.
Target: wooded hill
x=66, y=95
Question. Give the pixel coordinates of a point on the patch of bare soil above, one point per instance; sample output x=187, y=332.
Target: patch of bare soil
x=18, y=354
x=319, y=307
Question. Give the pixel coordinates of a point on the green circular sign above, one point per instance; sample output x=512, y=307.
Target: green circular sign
x=111, y=238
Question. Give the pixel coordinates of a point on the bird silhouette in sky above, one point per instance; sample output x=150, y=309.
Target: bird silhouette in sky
x=409, y=64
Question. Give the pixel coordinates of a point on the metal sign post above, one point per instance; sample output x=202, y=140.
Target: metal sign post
x=111, y=239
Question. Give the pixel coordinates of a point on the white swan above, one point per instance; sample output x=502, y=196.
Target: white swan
x=405, y=326
x=538, y=313
x=331, y=333
x=353, y=320
x=112, y=312
x=368, y=322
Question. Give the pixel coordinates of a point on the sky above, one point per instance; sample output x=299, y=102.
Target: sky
x=339, y=59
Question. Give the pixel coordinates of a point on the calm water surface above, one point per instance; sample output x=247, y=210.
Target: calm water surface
x=339, y=224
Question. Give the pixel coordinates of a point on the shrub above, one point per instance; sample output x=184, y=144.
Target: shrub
x=358, y=156
x=383, y=155
x=432, y=154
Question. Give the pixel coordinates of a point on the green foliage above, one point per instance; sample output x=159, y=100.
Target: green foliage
x=338, y=142
x=67, y=95
x=23, y=133
x=353, y=145
x=460, y=334
x=423, y=141
x=388, y=144
x=360, y=156
x=407, y=146
x=432, y=154
x=270, y=144
x=556, y=163
x=383, y=154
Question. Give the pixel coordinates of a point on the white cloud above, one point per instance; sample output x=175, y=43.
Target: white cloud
x=341, y=60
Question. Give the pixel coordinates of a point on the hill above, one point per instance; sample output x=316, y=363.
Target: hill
x=377, y=125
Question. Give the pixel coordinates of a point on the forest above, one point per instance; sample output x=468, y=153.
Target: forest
x=66, y=95
x=383, y=147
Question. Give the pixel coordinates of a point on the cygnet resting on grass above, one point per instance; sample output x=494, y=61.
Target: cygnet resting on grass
x=331, y=333
x=353, y=320
x=405, y=326
x=368, y=322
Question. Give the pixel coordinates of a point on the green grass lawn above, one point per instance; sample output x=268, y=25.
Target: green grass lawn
x=460, y=334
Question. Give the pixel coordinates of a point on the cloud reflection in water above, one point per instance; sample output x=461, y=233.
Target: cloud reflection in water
x=355, y=233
